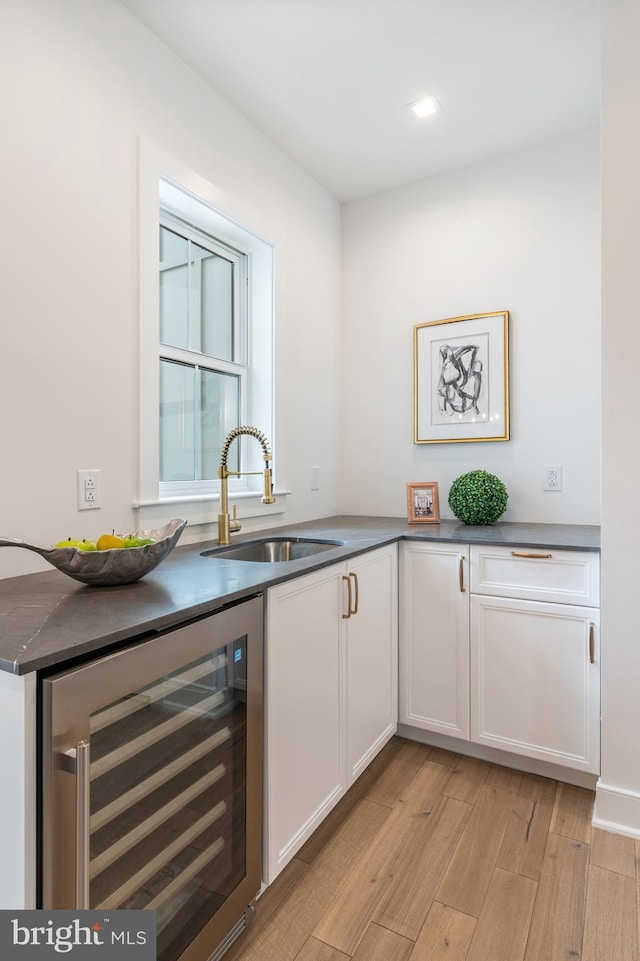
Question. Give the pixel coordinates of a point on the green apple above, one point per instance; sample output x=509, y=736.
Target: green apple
x=132, y=540
x=83, y=545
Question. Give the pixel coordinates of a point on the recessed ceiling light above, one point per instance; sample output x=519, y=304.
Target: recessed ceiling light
x=425, y=107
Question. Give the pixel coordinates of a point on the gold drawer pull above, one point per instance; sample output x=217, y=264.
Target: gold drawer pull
x=528, y=554
x=461, y=575
x=592, y=643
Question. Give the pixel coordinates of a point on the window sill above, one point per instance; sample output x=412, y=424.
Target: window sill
x=201, y=510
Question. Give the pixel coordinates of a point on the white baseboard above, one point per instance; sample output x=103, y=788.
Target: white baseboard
x=617, y=810
x=505, y=758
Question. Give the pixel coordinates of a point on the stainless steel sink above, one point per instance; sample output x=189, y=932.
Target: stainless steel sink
x=273, y=549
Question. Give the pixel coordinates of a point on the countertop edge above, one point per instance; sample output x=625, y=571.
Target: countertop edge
x=50, y=604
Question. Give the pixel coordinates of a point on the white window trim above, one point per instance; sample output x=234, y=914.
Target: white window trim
x=178, y=183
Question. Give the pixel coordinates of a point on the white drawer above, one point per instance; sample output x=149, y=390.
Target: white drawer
x=563, y=577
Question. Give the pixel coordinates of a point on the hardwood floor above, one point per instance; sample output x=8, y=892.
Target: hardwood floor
x=433, y=856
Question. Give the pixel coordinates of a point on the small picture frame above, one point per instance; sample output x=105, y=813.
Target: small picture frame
x=423, y=506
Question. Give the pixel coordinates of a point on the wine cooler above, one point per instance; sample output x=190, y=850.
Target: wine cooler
x=152, y=782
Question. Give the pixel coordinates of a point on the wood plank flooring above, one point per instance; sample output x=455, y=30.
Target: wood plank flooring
x=433, y=856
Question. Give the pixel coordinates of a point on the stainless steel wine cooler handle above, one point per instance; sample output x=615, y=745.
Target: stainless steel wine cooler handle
x=79, y=757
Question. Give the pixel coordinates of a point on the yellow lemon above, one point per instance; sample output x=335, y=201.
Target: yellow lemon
x=107, y=542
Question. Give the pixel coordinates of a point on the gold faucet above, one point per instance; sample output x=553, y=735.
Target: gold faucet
x=227, y=525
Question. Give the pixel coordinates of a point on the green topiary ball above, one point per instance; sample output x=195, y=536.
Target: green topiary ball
x=478, y=497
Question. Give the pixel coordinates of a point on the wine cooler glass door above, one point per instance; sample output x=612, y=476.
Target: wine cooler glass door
x=156, y=795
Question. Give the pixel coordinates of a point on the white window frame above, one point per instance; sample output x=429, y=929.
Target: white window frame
x=238, y=367
x=165, y=183
x=239, y=258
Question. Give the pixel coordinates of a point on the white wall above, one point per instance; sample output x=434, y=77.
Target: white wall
x=520, y=234
x=81, y=81
x=618, y=794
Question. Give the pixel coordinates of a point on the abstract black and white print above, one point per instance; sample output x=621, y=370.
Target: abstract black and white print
x=460, y=379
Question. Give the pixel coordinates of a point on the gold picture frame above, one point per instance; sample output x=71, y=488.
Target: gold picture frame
x=461, y=379
x=423, y=504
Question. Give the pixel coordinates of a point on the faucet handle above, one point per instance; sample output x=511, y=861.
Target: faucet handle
x=268, y=497
x=234, y=523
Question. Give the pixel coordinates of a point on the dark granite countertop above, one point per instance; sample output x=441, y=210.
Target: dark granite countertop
x=48, y=618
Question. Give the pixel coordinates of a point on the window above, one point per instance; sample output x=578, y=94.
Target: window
x=205, y=346
x=203, y=357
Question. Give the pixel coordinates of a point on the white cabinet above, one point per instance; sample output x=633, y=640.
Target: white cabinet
x=507, y=657
x=535, y=666
x=331, y=683
x=18, y=762
x=371, y=658
x=534, y=687
x=562, y=577
x=434, y=637
x=304, y=692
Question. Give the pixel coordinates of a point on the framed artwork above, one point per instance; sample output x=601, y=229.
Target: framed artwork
x=423, y=506
x=461, y=379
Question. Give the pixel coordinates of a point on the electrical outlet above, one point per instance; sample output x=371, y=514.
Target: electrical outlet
x=88, y=490
x=552, y=477
x=315, y=479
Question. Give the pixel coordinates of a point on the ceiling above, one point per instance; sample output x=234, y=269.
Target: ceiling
x=329, y=81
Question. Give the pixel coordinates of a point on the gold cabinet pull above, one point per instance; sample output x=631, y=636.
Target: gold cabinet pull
x=461, y=575
x=356, y=592
x=349, y=612
x=592, y=643
x=540, y=557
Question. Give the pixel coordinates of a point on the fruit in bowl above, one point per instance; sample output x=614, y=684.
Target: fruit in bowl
x=135, y=540
x=110, y=542
x=82, y=545
x=110, y=561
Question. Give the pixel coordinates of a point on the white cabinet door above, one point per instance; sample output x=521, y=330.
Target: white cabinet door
x=19, y=764
x=535, y=680
x=434, y=637
x=331, y=683
x=304, y=713
x=372, y=657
